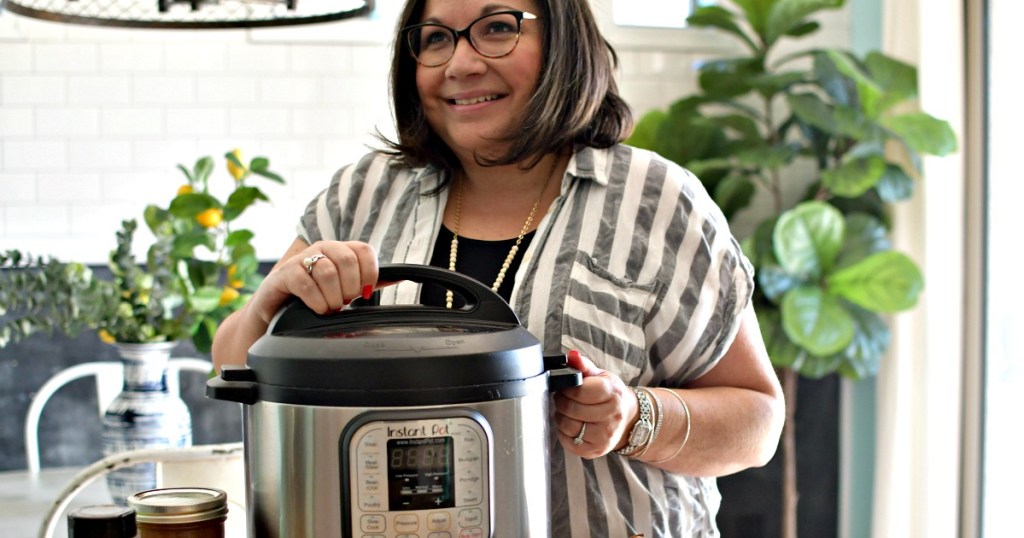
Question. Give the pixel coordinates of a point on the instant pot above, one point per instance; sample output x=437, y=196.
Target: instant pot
x=398, y=421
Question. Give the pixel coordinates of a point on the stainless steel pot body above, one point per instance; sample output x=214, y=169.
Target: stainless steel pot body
x=297, y=481
x=398, y=421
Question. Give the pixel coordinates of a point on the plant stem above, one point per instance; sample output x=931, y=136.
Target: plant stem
x=790, y=494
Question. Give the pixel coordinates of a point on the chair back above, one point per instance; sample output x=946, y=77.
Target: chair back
x=109, y=376
x=220, y=466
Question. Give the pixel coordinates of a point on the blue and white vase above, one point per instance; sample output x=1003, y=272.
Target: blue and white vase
x=144, y=415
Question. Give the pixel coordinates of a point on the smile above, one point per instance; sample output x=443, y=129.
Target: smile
x=475, y=100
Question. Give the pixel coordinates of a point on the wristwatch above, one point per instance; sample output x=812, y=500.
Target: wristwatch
x=641, y=432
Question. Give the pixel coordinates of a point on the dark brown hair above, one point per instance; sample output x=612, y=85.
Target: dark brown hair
x=576, y=101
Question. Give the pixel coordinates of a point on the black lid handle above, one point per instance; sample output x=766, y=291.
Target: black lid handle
x=482, y=304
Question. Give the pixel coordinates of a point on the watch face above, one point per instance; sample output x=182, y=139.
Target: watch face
x=640, y=433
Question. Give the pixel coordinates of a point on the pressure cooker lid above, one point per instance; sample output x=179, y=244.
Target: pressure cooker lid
x=372, y=353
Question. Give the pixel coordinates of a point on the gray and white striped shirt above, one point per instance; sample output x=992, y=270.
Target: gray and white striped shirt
x=633, y=265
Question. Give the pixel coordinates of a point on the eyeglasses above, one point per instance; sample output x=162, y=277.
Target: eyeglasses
x=493, y=35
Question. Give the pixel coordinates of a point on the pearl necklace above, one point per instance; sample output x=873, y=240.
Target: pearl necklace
x=454, y=249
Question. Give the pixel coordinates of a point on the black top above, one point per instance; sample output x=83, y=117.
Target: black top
x=477, y=259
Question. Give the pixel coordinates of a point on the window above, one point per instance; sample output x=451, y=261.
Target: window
x=1003, y=318
x=651, y=13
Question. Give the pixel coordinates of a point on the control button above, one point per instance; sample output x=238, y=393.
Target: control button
x=407, y=523
x=407, y=536
x=439, y=521
x=373, y=523
x=370, y=461
x=440, y=535
x=470, y=496
x=474, y=532
x=373, y=536
x=471, y=517
x=371, y=483
x=370, y=442
x=371, y=503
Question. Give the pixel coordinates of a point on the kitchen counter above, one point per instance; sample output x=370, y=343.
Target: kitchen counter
x=25, y=499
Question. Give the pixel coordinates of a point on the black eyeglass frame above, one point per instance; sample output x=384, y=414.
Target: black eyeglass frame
x=520, y=16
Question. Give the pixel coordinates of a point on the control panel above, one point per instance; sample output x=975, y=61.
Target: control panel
x=419, y=477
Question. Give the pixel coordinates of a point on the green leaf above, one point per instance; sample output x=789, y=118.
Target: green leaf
x=807, y=239
x=923, y=133
x=854, y=124
x=775, y=282
x=895, y=185
x=240, y=199
x=785, y=15
x=730, y=77
x=685, y=136
x=854, y=177
x=185, y=244
x=898, y=79
x=205, y=299
x=157, y=220
x=819, y=367
x=782, y=352
x=733, y=194
x=269, y=175
x=187, y=206
x=865, y=235
x=816, y=321
x=743, y=125
x=723, y=19
x=259, y=164
x=863, y=356
x=188, y=175
x=869, y=92
x=231, y=157
x=645, y=132
x=238, y=237
x=756, y=13
x=883, y=282
x=770, y=84
x=841, y=89
x=811, y=109
x=804, y=29
x=202, y=170
x=203, y=333
x=763, y=156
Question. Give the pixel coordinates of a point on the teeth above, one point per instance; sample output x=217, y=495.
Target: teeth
x=475, y=100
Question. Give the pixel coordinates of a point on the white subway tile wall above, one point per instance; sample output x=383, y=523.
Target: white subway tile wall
x=93, y=121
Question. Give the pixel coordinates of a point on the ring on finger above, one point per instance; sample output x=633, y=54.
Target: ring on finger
x=578, y=440
x=311, y=261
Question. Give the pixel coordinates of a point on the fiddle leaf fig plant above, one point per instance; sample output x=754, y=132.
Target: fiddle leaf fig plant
x=822, y=123
x=816, y=144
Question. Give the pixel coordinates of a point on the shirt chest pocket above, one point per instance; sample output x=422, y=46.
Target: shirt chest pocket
x=604, y=317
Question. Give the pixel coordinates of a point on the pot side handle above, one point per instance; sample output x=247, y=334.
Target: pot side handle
x=234, y=384
x=560, y=376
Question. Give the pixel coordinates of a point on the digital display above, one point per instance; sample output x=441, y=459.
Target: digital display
x=420, y=473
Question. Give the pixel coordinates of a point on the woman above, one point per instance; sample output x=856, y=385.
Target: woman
x=508, y=167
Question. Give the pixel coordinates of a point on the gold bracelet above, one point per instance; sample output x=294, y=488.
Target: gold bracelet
x=686, y=436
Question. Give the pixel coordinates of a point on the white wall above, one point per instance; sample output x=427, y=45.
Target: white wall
x=94, y=120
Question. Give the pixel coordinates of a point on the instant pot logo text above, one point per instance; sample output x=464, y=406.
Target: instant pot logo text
x=417, y=430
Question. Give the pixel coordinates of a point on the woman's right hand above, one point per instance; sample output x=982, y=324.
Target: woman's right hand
x=326, y=276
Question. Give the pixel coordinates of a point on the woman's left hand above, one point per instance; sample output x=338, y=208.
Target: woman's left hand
x=603, y=409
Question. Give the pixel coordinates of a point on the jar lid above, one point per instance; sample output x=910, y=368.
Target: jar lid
x=169, y=506
x=104, y=520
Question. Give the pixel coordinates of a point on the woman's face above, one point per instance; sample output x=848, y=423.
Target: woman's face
x=473, y=100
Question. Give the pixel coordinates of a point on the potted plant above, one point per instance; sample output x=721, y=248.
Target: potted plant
x=198, y=269
x=838, y=134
